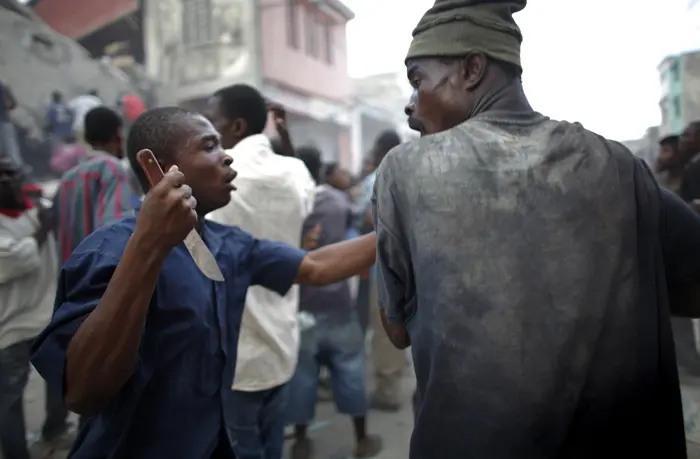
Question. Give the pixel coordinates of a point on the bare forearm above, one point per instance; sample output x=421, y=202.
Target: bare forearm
x=287, y=146
x=339, y=261
x=102, y=353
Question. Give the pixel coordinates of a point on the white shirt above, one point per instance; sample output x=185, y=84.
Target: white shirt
x=275, y=194
x=80, y=106
x=28, y=278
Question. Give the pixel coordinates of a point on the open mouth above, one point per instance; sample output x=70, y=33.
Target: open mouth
x=230, y=178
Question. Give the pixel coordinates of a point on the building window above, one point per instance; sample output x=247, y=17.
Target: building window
x=311, y=26
x=674, y=73
x=293, y=23
x=328, y=27
x=677, y=107
x=197, y=22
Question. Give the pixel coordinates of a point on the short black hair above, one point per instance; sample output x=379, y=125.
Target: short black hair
x=670, y=141
x=330, y=169
x=246, y=102
x=158, y=130
x=384, y=143
x=311, y=157
x=102, y=125
x=56, y=96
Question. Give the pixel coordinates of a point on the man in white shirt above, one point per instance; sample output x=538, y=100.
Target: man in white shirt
x=80, y=106
x=28, y=277
x=274, y=196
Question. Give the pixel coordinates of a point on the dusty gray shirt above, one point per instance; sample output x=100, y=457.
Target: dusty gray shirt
x=525, y=257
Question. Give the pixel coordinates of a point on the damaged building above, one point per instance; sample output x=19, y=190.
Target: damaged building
x=35, y=61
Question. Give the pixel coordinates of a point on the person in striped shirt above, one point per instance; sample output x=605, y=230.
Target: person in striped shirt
x=97, y=190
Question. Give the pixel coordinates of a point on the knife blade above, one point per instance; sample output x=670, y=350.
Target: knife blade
x=199, y=251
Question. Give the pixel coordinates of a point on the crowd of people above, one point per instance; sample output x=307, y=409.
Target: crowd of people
x=531, y=265
x=63, y=125
x=284, y=193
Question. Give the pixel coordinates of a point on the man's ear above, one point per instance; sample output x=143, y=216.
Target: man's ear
x=239, y=127
x=473, y=69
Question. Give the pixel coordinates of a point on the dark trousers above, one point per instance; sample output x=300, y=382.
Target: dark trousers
x=255, y=423
x=14, y=375
x=56, y=422
x=684, y=340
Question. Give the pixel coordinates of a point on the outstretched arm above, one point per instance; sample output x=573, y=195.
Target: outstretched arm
x=339, y=261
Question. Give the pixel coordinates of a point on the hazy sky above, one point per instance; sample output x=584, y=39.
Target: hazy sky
x=590, y=61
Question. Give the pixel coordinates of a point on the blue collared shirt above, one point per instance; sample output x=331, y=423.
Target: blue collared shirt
x=173, y=405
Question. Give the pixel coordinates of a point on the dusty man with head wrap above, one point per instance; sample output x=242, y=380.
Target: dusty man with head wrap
x=531, y=265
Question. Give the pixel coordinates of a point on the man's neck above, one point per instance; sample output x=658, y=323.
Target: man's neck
x=508, y=96
x=105, y=149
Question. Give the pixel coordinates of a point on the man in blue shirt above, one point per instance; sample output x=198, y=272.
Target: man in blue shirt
x=59, y=118
x=141, y=342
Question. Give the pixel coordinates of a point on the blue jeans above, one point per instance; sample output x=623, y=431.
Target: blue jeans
x=255, y=423
x=335, y=341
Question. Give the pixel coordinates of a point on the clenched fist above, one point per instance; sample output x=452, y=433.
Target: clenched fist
x=168, y=211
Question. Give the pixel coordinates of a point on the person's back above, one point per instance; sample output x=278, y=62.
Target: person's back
x=89, y=195
x=332, y=211
x=80, y=106
x=269, y=203
x=535, y=314
x=60, y=120
x=97, y=190
x=133, y=107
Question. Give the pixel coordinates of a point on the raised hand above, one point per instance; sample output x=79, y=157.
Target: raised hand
x=168, y=211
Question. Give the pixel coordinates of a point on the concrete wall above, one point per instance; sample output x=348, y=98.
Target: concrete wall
x=294, y=67
x=34, y=62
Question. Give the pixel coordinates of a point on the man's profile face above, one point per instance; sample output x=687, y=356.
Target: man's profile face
x=10, y=184
x=439, y=99
x=222, y=124
x=206, y=167
x=690, y=140
x=667, y=156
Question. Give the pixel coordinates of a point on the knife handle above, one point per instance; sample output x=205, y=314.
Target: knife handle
x=148, y=162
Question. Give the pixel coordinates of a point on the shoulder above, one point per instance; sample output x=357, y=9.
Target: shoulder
x=338, y=196
x=107, y=243
x=108, y=167
x=295, y=166
x=233, y=237
x=111, y=163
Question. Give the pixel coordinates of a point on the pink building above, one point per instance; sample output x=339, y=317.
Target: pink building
x=304, y=67
x=294, y=51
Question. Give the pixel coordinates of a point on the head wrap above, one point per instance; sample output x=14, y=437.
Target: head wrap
x=453, y=28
